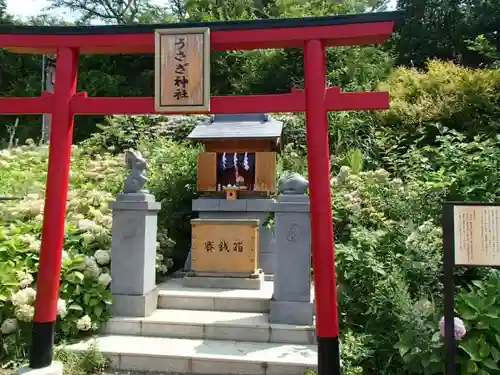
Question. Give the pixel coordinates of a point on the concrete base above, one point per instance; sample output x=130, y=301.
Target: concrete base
x=56, y=368
x=285, y=312
x=138, y=306
x=211, y=282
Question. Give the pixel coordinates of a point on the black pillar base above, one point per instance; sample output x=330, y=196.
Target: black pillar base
x=328, y=356
x=42, y=341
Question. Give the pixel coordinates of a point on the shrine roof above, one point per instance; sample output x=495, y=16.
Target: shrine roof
x=375, y=17
x=238, y=126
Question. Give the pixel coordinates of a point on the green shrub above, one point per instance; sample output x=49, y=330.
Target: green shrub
x=120, y=133
x=84, y=292
x=388, y=255
x=462, y=99
x=422, y=346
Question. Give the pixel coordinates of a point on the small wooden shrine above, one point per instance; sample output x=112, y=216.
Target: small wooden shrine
x=239, y=155
x=238, y=163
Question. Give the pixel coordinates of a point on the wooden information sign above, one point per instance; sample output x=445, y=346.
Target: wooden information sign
x=477, y=235
x=225, y=246
x=182, y=70
x=471, y=237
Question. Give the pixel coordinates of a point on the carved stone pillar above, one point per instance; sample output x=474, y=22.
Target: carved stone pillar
x=291, y=303
x=133, y=254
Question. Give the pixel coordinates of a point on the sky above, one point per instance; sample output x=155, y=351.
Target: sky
x=28, y=8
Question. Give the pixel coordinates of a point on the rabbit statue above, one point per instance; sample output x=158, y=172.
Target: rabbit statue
x=137, y=178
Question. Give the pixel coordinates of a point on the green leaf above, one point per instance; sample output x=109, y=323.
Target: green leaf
x=98, y=309
x=472, y=367
x=495, y=353
x=472, y=349
x=491, y=364
x=75, y=277
x=484, y=349
x=75, y=307
x=436, y=336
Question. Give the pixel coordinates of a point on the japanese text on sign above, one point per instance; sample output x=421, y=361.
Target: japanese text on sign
x=180, y=81
x=224, y=246
x=477, y=235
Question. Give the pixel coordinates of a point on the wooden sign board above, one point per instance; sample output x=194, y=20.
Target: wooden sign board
x=182, y=70
x=477, y=235
x=225, y=246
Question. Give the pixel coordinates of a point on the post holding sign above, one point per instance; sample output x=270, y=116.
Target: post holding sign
x=182, y=70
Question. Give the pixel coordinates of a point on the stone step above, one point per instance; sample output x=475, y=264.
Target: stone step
x=217, y=325
x=174, y=295
x=191, y=356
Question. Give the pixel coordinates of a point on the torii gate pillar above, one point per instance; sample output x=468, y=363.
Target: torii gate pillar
x=323, y=253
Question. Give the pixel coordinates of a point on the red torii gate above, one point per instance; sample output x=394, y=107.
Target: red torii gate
x=312, y=33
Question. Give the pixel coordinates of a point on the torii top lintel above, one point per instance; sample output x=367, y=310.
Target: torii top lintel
x=362, y=29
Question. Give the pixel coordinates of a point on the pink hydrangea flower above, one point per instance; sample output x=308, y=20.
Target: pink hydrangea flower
x=459, y=326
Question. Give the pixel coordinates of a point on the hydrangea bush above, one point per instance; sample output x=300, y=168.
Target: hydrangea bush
x=85, y=277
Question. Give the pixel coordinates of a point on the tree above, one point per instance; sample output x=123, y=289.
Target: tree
x=107, y=11
x=442, y=28
x=4, y=16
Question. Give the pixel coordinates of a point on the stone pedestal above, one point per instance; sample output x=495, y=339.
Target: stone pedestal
x=133, y=254
x=291, y=302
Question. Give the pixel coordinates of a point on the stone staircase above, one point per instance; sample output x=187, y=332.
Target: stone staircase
x=208, y=331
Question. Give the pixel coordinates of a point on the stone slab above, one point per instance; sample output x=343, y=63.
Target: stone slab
x=173, y=294
x=285, y=312
x=253, y=283
x=211, y=325
x=55, y=368
x=133, y=305
x=194, y=356
x=135, y=197
x=124, y=205
x=224, y=205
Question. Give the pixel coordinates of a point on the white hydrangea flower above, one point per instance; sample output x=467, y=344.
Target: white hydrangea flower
x=381, y=174
x=26, y=281
x=163, y=268
x=30, y=295
x=98, y=215
x=27, y=238
x=86, y=224
x=8, y=326
x=104, y=279
x=102, y=257
x=32, y=197
x=23, y=297
x=88, y=237
x=61, y=308
x=91, y=268
x=84, y=323
x=35, y=245
x=25, y=313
